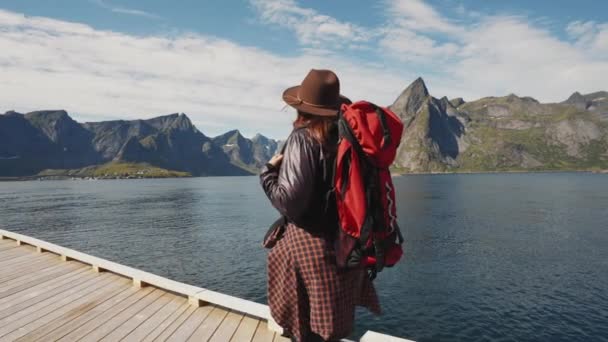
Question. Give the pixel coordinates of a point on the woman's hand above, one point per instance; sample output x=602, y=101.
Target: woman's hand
x=276, y=160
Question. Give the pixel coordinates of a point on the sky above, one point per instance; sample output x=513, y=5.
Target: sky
x=225, y=63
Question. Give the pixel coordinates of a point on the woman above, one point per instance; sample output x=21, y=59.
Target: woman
x=309, y=296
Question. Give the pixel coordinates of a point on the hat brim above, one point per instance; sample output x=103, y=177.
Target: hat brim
x=290, y=93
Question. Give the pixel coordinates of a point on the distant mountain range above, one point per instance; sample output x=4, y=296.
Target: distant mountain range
x=508, y=133
x=51, y=140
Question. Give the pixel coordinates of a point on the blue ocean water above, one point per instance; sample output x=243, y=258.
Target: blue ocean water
x=489, y=257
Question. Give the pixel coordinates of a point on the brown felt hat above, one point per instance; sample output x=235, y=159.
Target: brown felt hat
x=319, y=94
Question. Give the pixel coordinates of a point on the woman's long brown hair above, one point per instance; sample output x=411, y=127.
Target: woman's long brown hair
x=320, y=127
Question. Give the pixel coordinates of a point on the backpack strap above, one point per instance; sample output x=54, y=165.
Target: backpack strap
x=400, y=238
x=385, y=130
x=346, y=132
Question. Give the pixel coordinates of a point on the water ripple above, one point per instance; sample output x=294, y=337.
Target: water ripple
x=488, y=257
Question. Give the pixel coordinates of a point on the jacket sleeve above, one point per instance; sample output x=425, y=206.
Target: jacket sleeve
x=290, y=187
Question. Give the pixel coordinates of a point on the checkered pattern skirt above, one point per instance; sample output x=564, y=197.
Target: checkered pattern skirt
x=308, y=293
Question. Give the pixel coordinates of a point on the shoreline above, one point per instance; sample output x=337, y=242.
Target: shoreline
x=70, y=178
x=398, y=174
x=394, y=174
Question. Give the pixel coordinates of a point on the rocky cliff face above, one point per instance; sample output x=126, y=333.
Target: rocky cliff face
x=248, y=154
x=500, y=133
x=441, y=135
x=42, y=140
x=264, y=148
x=176, y=144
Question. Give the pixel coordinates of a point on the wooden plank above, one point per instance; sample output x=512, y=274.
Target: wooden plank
x=12, y=253
x=229, y=325
x=24, y=247
x=7, y=255
x=41, y=292
x=246, y=329
x=34, y=277
x=169, y=321
x=92, y=304
x=176, y=324
x=209, y=325
x=23, y=266
x=23, y=317
x=263, y=334
x=28, y=271
x=37, y=289
x=131, y=324
x=28, y=281
x=145, y=277
x=7, y=245
x=119, y=319
x=230, y=302
x=57, y=330
x=22, y=271
x=4, y=242
x=162, y=315
x=40, y=288
x=75, y=307
x=27, y=268
x=189, y=326
x=13, y=313
x=7, y=265
x=110, y=313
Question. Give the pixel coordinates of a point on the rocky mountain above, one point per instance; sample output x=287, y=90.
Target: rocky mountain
x=32, y=142
x=507, y=133
x=44, y=139
x=248, y=154
x=264, y=148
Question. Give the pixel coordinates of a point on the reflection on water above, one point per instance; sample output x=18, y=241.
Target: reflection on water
x=518, y=257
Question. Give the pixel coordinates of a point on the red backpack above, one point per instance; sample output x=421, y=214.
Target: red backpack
x=365, y=197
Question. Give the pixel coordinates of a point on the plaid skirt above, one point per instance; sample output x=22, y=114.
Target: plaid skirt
x=308, y=293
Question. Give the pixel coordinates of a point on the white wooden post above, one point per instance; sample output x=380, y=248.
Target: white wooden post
x=274, y=326
x=138, y=283
x=196, y=302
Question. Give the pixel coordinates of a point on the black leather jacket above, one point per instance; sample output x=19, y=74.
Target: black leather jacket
x=298, y=188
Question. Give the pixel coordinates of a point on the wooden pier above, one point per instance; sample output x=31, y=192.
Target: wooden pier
x=51, y=293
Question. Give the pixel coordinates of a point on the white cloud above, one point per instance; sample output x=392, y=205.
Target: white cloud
x=478, y=55
x=408, y=46
x=310, y=26
x=98, y=74
x=221, y=85
x=419, y=16
x=590, y=35
x=576, y=29
x=508, y=54
x=123, y=10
